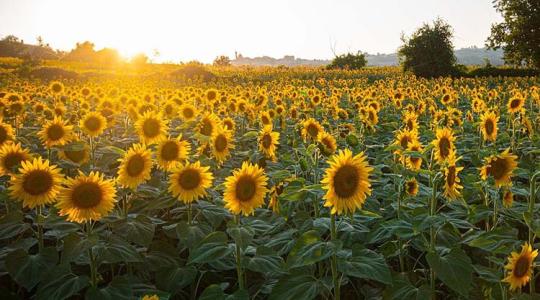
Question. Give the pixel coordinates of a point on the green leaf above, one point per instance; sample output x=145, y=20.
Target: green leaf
x=175, y=279
x=402, y=289
x=239, y=295
x=189, y=235
x=116, y=250
x=454, y=269
x=60, y=283
x=124, y=288
x=12, y=225
x=213, y=247
x=308, y=250
x=366, y=264
x=74, y=247
x=498, y=241
x=212, y=292
x=266, y=263
x=139, y=230
x=300, y=287
x=28, y=270
x=242, y=235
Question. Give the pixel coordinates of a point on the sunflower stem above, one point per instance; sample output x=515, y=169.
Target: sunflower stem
x=400, y=243
x=93, y=269
x=239, y=270
x=39, y=209
x=335, y=276
x=92, y=152
x=189, y=217
x=532, y=201
x=432, y=235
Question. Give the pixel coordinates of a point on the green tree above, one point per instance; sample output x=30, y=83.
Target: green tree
x=519, y=34
x=349, y=61
x=222, y=61
x=429, y=52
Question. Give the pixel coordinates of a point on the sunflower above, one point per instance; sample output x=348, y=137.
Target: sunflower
x=189, y=182
x=414, y=162
x=488, y=125
x=328, y=144
x=151, y=128
x=403, y=139
x=229, y=124
x=273, y=203
x=347, y=182
x=519, y=267
x=150, y=297
x=188, y=112
x=500, y=167
x=171, y=152
x=11, y=157
x=6, y=133
x=221, y=144
x=78, y=153
x=451, y=182
x=444, y=144
x=208, y=125
x=56, y=132
x=508, y=198
x=86, y=198
x=245, y=189
x=515, y=104
x=311, y=130
x=56, y=87
x=135, y=167
x=93, y=124
x=266, y=119
x=411, y=187
x=268, y=141
x=37, y=183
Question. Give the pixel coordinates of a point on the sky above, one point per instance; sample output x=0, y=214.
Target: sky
x=203, y=29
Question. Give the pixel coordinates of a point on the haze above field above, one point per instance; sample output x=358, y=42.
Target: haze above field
x=202, y=30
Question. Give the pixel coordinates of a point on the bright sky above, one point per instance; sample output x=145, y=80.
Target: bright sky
x=203, y=29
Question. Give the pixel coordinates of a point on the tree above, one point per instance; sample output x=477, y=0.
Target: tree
x=348, y=61
x=429, y=52
x=222, y=61
x=83, y=52
x=519, y=34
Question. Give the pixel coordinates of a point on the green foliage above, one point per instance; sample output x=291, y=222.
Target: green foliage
x=429, y=52
x=518, y=35
x=349, y=61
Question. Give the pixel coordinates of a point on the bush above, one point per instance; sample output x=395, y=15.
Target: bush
x=503, y=72
x=348, y=61
x=194, y=71
x=49, y=73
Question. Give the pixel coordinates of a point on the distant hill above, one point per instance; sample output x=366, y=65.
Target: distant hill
x=465, y=56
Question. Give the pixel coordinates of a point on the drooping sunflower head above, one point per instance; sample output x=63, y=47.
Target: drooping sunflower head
x=245, y=189
x=151, y=128
x=311, y=130
x=500, y=167
x=135, y=167
x=403, y=139
x=488, y=125
x=452, y=188
x=93, y=124
x=190, y=182
x=56, y=132
x=171, y=152
x=411, y=187
x=11, y=157
x=222, y=143
x=519, y=267
x=414, y=162
x=6, y=133
x=444, y=144
x=77, y=153
x=37, y=183
x=328, y=144
x=347, y=182
x=268, y=141
x=87, y=198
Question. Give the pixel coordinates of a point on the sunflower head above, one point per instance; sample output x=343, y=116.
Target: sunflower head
x=56, y=132
x=245, y=189
x=515, y=104
x=500, y=167
x=11, y=157
x=36, y=184
x=187, y=112
x=93, y=124
x=311, y=130
x=208, y=125
x=452, y=185
x=222, y=143
x=6, y=133
x=347, y=182
x=488, y=125
x=151, y=127
x=519, y=267
x=189, y=182
x=171, y=152
x=268, y=141
x=135, y=167
x=328, y=144
x=86, y=198
x=444, y=144
x=411, y=187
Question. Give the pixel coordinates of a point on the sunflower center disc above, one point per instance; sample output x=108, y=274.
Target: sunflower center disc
x=189, y=179
x=13, y=160
x=346, y=181
x=266, y=141
x=169, y=151
x=37, y=182
x=444, y=147
x=498, y=168
x=55, y=132
x=451, y=176
x=489, y=127
x=86, y=195
x=92, y=124
x=220, y=143
x=135, y=165
x=521, y=267
x=245, y=189
x=313, y=130
x=206, y=128
x=151, y=128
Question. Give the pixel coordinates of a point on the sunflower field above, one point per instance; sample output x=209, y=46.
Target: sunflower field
x=270, y=184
